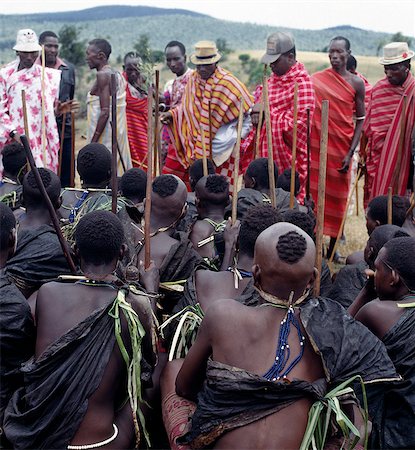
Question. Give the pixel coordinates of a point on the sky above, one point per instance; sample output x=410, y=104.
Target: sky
x=376, y=15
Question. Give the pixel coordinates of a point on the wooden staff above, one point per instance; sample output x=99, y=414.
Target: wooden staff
x=307, y=186
x=156, y=166
x=390, y=198
x=25, y=121
x=321, y=192
x=114, y=146
x=51, y=209
x=61, y=145
x=210, y=127
x=294, y=147
x=147, y=210
x=72, y=175
x=261, y=116
x=204, y=154
x=43, y=107
x=271, y=173
x=397, y=169
x=339, y=233
x=357, y=197
x=236, y=166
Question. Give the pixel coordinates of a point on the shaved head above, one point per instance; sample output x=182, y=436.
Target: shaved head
x=284, y=260
x=213, y=189
x=168, y=196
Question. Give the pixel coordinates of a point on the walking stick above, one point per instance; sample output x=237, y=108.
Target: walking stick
x=307, y=186
x=271, y=174
x=321, y=192
x=204, y=155
x=339, y=233
x=157, y=167
x=397, y=169
x=61, y=146
x=390, y=198
x=237, y=157
x=114, y=146
x=72, y=180
x=294, y=147
x=25, y=121
x=357, y=197
x=147, y=209
x=210, y=127
x=43, y=107
x=51, y=209
x=260, y=118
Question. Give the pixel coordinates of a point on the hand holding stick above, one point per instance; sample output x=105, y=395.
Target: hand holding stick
x=147, y=207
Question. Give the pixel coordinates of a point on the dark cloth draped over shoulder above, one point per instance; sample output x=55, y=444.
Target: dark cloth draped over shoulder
x=396, y=427
x=38, y=259
x=349, y=281
x=17, y=339
x=47, y=412
x=232, y=398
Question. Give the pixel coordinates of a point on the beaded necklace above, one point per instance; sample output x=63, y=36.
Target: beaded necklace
x=278, y=369
x=238, y=275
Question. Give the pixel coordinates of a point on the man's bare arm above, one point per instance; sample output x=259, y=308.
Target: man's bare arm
x=104, y=92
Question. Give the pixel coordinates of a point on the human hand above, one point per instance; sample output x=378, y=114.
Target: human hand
x=150, y=277
x=166, y=118
x=231, y=232
x=370, y=283
x=255, y=114
x=68, y=107
x=346, y=164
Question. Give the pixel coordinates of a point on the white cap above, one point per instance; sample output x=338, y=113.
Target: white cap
x=27, y=41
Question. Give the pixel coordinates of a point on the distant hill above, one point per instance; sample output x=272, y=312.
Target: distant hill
x=122, y=26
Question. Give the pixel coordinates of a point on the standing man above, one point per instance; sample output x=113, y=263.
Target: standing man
x=210, y=102
x=286, y=72
x=388, y=155
x=24, y=74
x=99, y=103
x=66, y=92
x=346, y=94
x=136, y=111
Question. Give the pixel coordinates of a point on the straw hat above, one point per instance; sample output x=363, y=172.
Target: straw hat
x=27, y=41
x=396, y=52
x=206, y=53
x=277, y=44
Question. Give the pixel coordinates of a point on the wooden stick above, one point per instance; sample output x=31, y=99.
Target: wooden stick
x=261, y=117
x=271, y=173
x=51, y=209
x=349, y=198
x=72, y=180
x=210, y=127
x=147, y=209
x=25, y=121
x=43, y=108
x=307, y=186
x=61, y=144
x=294, y=147
x=237, y=152
x=390, y=199
x=357, y=196
x=321, y=192
x=204, y=154
x=397, y=169
x=157, y=168
x=114, y=146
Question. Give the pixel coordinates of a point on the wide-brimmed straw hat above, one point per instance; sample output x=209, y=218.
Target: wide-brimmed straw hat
x=27, y=41
x=396, y=52
x=206, y=52
x=277, y=44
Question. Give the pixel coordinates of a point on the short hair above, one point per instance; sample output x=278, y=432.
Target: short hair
x=102, y=45
x=217, y=184
x=257, y=219
x=301, y=220
x=165, y=185
x=94, y=163
x=31, y=193
x=99, y=236
x=258, y=169
x=196, y=171
x=14, y=158
x=351, y=62
x=400, y=253
x=383, y=234
x=8, y=222
x=46, y=34
x=378, y=209
x=342, y=38
x=291, y=247
x=215, y=190
x=176, y=44
x=133, y=55
x=133, y=184
x=284, y=181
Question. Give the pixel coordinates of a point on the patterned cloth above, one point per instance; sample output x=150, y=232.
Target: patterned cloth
x=12, y=82
x=136, y=113
x=328, y=85
x=383, y=129
x=281, y=104
x=94, y=110
x=222, y=92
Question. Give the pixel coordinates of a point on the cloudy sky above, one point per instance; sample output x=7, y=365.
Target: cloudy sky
x=377, y=15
